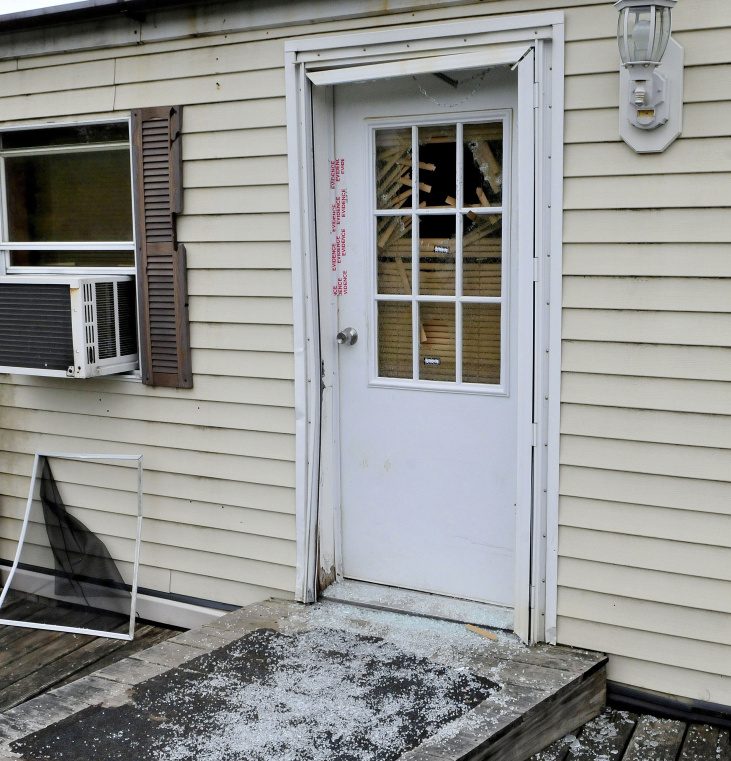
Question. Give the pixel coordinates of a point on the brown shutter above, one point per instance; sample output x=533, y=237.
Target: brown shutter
x=161, y=270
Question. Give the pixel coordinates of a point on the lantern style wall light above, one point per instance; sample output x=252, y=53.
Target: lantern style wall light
x=651, y=77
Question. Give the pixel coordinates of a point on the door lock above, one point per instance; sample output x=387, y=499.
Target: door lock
x=347, y=336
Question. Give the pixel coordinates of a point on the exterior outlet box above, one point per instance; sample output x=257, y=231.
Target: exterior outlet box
x=68, y=327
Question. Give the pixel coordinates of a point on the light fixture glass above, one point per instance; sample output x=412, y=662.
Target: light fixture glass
x=643, y=31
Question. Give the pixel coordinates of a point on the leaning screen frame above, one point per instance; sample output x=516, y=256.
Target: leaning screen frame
x=38, y=458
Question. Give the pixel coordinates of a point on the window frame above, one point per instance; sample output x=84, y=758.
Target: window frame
x=7, y=247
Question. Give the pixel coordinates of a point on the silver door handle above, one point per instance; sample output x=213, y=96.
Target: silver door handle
x=347, y=336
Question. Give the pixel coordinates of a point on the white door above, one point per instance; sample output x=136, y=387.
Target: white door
x=425, y=269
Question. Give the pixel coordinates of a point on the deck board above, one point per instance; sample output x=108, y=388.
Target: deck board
x=655, y=740
x=622, y=736
x=33, y=661
x=605, y=737
x=705, y=742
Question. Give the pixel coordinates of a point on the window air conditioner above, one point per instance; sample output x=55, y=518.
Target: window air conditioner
x=75, y=327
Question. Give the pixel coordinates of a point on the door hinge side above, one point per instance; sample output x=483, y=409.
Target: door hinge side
x=536, y=269
x=534, y=427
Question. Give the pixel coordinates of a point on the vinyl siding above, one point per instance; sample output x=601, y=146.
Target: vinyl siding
x=646, y=402
x=645, y=507
x=219, y=459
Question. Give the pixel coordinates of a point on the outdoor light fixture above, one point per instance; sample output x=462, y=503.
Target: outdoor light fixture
x=651, y=78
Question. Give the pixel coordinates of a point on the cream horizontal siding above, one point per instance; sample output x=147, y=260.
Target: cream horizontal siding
x=708, y=463
x=210, y=388
x=649, y=328
x=616, y=193
x=253, y=199
x=236, y=172
x=644, y=584
x=614, y=358
x=192, y=513
x=259, y=310
x=215, y=117
x=700, y=120
x=219, y=458
x=645, y=481
x=644, y=488
x=119, y=528
x=667, y=662
x=181, y=409
x=647, y=393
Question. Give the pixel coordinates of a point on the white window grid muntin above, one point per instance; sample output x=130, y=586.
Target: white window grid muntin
x=7, y=246
x=459, y=120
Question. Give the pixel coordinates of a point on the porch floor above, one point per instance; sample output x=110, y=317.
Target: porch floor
x=328, y=682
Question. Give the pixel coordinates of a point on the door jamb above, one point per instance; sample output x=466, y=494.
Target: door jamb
x=314, y=390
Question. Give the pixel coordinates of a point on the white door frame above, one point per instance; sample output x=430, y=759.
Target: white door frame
x=388, y=52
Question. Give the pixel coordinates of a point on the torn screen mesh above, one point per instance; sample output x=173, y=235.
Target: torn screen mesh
x=77, y=558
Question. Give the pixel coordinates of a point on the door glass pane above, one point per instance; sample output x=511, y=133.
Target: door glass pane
x=393, y=168
x=436, y=342
x=437, y=250
x=483, y=164
x=394, y=340
x=393, y=254
x=481, y=343
x=70, y=196
x=482, y=255
x=437, y=166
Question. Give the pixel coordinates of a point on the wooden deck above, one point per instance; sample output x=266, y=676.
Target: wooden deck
x=543, y=691
x=534, y=695
x=622, y=736
x=33, y=661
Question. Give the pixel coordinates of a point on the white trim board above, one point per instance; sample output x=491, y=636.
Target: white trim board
x=309, y=121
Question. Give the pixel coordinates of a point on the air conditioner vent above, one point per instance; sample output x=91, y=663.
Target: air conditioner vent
x=35, y=326
x=106, y=320
x=77, y=326
x=127, y=311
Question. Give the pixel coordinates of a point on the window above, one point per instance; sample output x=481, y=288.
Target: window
x=100, y=198
x=68, y=198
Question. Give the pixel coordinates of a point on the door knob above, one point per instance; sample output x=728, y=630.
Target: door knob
x=347, y=336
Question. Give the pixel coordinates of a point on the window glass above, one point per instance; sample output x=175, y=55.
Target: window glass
x=71, y=135
x=482, y=247
x=48, y=258
x=393, y=168
x=69, y=197
x=394, y=340
x=393, y=251
x=437, y=342
x=481, y=339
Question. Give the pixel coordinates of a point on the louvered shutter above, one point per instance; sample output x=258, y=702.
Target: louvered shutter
x=161, y=270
